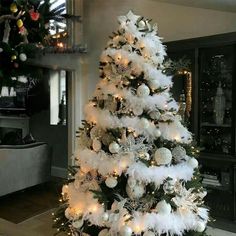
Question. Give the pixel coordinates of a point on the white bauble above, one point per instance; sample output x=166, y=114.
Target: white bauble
x=105, y=216
x=111, y=182
x=200, y=226
x=163, y=156
x=23, y=57
x=103, y=232
x=1, y=50
x=178, y=153
x=141, y=24
x=125, y=231
x=148, y=233
x=155, y=115
x=193, y=163
x=157, y=133
x=143, y=91
x=97, y=145
x=131, y=182
x=135, y=192
x=77, y=224
x=163, y=207
x=154, y=84
x=114, y=147
x=68, y=213
x=144, y=123
x=144, y=155
x=169, y=186
x=138, y=111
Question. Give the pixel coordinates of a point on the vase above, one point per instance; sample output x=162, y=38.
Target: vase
x=219, y=105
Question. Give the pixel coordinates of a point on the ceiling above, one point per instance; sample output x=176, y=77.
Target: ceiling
x=220, y=5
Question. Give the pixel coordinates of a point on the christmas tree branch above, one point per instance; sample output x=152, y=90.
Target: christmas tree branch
x=10, y=17
x=6, y=32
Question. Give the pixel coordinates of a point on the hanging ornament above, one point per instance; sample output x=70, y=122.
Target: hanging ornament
x=19, y=23
x=13, y=8
x=157, y=133
x=144, y=155
x=135, y=192
x=148, y=233
x=1, y=50
x=103, y=232
x=155, y=115
x=193, y=162
x=154, y=84
x=141, y=24
x=163, y=207
x=143, y=91
x=96, y=145
x=144, y=123
x=111, y=182
x=105, y=216
x=163, y=156
x=23, y=57
x=200, y=226
x=138, y=110
x=114, y=147
x=126, y=231
x=169, y=186
x=78, y=224
x=34, y=15
x=13, y=57
x=131, y=182
x=178, y=153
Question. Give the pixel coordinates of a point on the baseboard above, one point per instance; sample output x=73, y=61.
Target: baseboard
x=59, y=172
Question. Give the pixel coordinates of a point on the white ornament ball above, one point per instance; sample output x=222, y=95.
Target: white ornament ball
x=114, y=147
x=155, y=115
x=143, y=91
x=111, y=182
x=169, y=186
x=105, y=216
x=77, y=224
x=125, y=231
x=131, y=182
x=103, y=232
x=144, y=123
x=97, y=145
x=163, y=156
x=148, y=233
x=157, y=133
x=141, y=24
x=144, y=155
x=163, y=207
x=193, y=163
x=200, y=226
x=23, y=57
x=135, y=192
x=179, y=153
x=138, y=111
x=154, y=84
x=1, y=50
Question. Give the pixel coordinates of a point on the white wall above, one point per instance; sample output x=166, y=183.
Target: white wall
x=175, y=23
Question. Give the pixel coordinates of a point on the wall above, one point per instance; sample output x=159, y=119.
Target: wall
x=174, y=23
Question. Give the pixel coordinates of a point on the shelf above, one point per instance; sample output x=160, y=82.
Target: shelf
x=211, y=187
x=206, y=124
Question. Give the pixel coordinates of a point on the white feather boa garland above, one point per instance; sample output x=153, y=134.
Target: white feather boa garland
x=150, y=103
x=157, y=174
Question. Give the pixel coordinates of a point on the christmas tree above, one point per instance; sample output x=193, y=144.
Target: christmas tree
x=24, y=28
x=135, y=172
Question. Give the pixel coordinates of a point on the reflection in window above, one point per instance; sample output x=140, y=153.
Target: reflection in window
x=58, y=111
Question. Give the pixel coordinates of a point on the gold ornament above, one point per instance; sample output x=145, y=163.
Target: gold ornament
x=13, y=8
x=13, y=57
x=19, y=23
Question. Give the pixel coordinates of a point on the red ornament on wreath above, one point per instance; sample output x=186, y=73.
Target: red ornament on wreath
x=34, y=15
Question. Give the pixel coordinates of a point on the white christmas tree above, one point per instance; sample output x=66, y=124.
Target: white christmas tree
x=135, y=173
